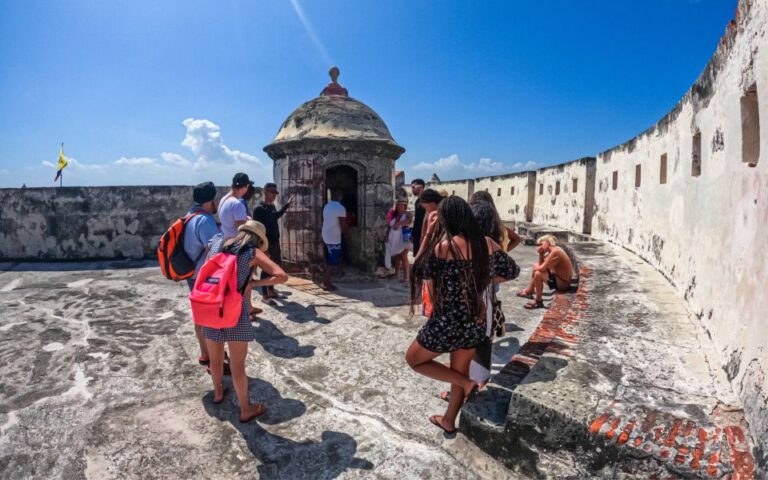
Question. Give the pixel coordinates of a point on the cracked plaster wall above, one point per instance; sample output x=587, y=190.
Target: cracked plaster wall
x=706, y=233
x=567, y=208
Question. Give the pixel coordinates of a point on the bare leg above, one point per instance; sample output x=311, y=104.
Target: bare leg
x=423, y=362
x=216, y=356
x=460, y=360
x=404, y=259
x=529, y=289
x=201, y=341
x=539, y=278
x=238, y=351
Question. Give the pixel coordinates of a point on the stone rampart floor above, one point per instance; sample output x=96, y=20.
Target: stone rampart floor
x=100, y=380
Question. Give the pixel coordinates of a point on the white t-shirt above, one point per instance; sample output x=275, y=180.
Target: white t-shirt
x=332, y=212
x=231, y=210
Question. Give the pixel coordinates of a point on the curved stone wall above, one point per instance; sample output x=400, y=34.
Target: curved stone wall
x=683, y=196
x=690, y=196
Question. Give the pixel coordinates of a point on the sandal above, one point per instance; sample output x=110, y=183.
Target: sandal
x=204, y=361
x=227, y=371
x=434, y=420
x=223, y=393
x=261, y=409
x=524, y=295
x=534, y=305
x=445, y=396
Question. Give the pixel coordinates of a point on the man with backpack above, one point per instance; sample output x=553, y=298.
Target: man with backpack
x=199, y=229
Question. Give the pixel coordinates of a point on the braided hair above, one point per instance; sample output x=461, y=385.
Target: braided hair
x=456, y=218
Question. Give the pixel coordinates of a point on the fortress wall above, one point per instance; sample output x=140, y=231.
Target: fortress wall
x=557, y=203
x=510, y=194
x=463, y=188
x=77, y=223
x=708, y=233
x=698, y=211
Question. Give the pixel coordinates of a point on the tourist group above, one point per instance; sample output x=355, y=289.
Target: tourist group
x=460, y=257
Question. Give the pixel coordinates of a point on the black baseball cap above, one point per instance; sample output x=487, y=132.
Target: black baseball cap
x=204, y=192
x=240, y=180
x=270, y=186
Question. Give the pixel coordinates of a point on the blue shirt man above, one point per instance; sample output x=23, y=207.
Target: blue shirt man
x=198, y=233
x=201, y=228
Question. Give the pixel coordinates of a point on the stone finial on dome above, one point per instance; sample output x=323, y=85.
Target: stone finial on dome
x=334, y=88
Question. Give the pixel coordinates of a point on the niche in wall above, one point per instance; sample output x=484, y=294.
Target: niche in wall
x=512, y=191
x=696, y=155
x=498, y=192
x=750, y=127
x=575, y=185
x=615, y=182
x=541, y=189
x=637, y=175
x=557, y=187
x=663, y=169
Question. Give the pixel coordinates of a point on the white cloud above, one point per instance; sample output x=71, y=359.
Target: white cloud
x=204, y=140
x=135, y=161
x=175, y=159
x=452, y=167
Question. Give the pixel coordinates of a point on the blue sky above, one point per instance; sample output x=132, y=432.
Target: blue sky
x=178, y=92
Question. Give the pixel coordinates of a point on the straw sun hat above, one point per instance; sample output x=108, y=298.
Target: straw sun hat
x=258, y=229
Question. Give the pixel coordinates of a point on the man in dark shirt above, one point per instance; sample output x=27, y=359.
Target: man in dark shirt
x=417, y=186
x=266, y=213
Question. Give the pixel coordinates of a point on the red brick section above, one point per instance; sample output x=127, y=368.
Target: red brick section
x=555, y=333
x=702, y=451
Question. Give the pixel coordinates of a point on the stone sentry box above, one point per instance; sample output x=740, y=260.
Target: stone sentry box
x=334, y=142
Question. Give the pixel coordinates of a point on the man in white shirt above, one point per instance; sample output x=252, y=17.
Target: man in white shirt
x=232, y=212
x=334, y=223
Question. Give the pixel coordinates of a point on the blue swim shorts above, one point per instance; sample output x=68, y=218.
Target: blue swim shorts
x=332, y=254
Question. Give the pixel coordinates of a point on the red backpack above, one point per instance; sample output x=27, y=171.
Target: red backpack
x=216, y=301
x=174, y=261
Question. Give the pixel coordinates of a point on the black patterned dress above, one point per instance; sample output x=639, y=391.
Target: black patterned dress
x=451, y=327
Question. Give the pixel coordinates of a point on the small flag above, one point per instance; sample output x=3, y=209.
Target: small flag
x=62, y=162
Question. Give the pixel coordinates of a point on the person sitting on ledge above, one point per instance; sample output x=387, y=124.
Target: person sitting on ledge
x=333, y=88
x=554, y=268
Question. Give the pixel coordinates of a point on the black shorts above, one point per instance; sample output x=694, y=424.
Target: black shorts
x=552, y=282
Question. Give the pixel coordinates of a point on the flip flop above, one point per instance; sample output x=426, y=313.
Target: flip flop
x=223, y=394
x=330, y=288
x=433, y=419
x=522, y=295
x=445, y=396
x=256, y=311
x=204, y=361
x=533, y=305
x=261, y=409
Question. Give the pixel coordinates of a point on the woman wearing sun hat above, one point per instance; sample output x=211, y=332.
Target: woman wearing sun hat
x=249, y=245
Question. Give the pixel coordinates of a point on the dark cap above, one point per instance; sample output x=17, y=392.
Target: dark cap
x=204, y=192
x=240, y=180
x=269, y=186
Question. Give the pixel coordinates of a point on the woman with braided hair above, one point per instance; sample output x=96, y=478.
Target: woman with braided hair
x=459, y=265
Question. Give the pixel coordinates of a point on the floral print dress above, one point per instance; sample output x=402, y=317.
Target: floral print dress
x=451, y=327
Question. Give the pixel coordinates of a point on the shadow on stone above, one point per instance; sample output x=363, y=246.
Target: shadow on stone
x=298, y=313
x=278, y=344
x=282, y=457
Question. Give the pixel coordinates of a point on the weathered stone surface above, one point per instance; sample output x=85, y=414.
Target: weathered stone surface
x=616, y=377
x=100, y=380
x=82, y=223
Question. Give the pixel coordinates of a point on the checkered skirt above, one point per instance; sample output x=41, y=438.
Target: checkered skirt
x=243, y=331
